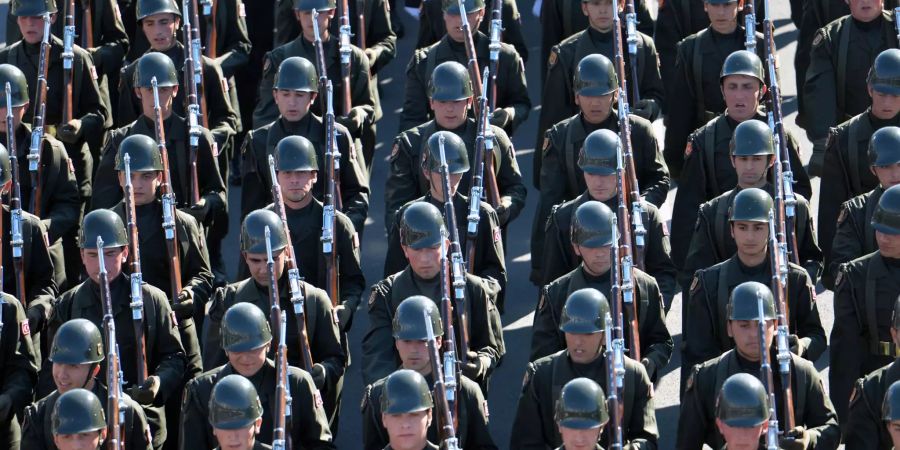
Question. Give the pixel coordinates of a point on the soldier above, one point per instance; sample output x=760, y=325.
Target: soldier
x=406, y=411
x=842, y=53
x=584, y=327
x=76, y=355
x=246, y=339
x=432, y=29
x=78, y=422
x=702, y=314
x=488, y=255
x=752, y=156
x=581, y=414
x=422, y=235
x=235, y=413
x=844, y=167
x=552, y=256
x=294, y=91
x=707, y=171
x=512, y=102
x=164, y=354
x=592, y=239
x=411, y=343
x=815, y=419
x=742, y=411
x=889, y=414
x=864, y=294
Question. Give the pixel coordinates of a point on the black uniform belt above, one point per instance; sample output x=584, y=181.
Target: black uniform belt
x=887, y=349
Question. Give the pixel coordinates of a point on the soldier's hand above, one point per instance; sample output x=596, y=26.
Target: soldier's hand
x=71, y=132
x=198, y=210
x=344, y=317
x=501, y=117
x=650, y=366
x=795, y=439
x=354, y=121
x=646, y=108
x=145, y=393
x=474, y=368
x=184, y=307
x=318, y=375
x=372, y=55
x=5, y=407
x=35, y=315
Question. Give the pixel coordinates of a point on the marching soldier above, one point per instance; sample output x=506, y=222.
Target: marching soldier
x=584, y=327
x=864, y=294
x=581, y=414
x=406, y=411
x=246, y=340
x=422, y=232
x=816, y=421
x=512, y=102
x=742, y=411
x=592, y=239
x=890, y=415
x=432, y=28
x=294, y=92
x=76, y=355
x=235, y=414
x=845, y=166
x=164, y=354
x=411, y=343
x=78, y=422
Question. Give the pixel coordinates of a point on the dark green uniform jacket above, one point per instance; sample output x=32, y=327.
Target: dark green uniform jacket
x=656, y=342
x=864, y=427
x=432, y=27
x=855, y=236
x=307, y=425
x=428, y=446
x=535, y=426
x=18, y=367
x=41, y=288
x=812, y=407
x=677, y=19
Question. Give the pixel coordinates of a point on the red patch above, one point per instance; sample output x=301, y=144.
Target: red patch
x=318, y=399
x=174, y=319
x=71, y=166
x=94, y=73
x=688, y=149
x=242, y=10
x=215, y=149
x=497, y=235
x=26, y=329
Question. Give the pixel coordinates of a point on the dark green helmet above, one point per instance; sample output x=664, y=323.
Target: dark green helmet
x=103, y=223
x=244, y=328
x=77, y=341
x=253, y=232
x=147, y=8
x=884, y=147
x=743, y=62
x=452, y=7
x=752, y=137
x=18, y=85
x=296, y=74
x=595, y=76
x=422, y=226
x=142, y=152
x=234, y=403
x=742, y=402
x=584, y=312
x=450, y=82
x=886, y=218
x=743, y=302
x=5, y=171
x=592, y=225
x=77, y=411
x=405, y=391
x=581, y=405
x=295, y=153
x=884, y=75
x=318, y=5
x=454, y=150
x=890, y=409
x=32, y=8
x=751, y=205
x=155, y=64
x=598, y=155
x=409, y=319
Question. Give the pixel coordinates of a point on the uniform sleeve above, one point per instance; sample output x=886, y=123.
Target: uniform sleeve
x=401, y=185
x=832, y=195
x=394, y=259
x=113, y=41
x=512, y=28
x=354, y=181
x=485, y=328
x=254, y=191
x=235, y=53
x=194, y=420
x=652, y=173
x=373, y=432
x=657, y=254
x=222, y=118
x=478, y=435
x=91, y=109
x=821, y=420
x=651, y=85
x=363, y=92
x=681, y=105
x=62, y=207
x=820, y=89
x=846, y=244
x=701, y=320
x=545, y=334
x=33, y=429
x=553, y=183
x=556, y=102
x=802, y=184
x=381, y=37
x=378, y=359
x=20, y=366
x=863, y=422
x=213, y=355
x=266, y=111
x=694, y=418
x=286, y=26
x=169, y=353
x=809, y=253
x=656, y=342
x=105, y=188
x=196, y=272
x=548, y=259
x=701, y=253
x=643, y=432
x=847, y=343
x=212, y=188
x=309, y=427
x=415, y=104
x=42, y=288
x=489, y=256
x=509, y=178
x=528, y=426
x=137, y=433
x=691, y=193
x=427, y=34
x=514, y=85
x=809, y=325
x=551, y=32
x=352, y=281
x=326, y=344
x=129, y=107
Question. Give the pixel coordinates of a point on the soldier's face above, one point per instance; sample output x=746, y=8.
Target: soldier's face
x=297, y=185
x=583, y=348
x=166, y=96
x=888, y=176
x=865, y=10
x=80, y=441
x=407, y=431
x=114, y=258
x=575, y=439
x=741, y=93
x=893, y=429
x=414, y=355
x=597, y=261
x=884, y=106
x=595, y=109
x=722, y=17
x=751, y=238
x=437, y=183
x=32, y=28
x=293, y=105
x=425, y=262
x=742, y=438
x=160, y=30
x=144, y=185
x=752, y=170
x=17, y=112
x=71, y=376
x=746, y=337
x=888, y=244
x=451, y=114
x=453, y=24
x=249, y=362
x=306, y=24
x=601, y=187
x=241, y=439
x=599, y=13
x=259, y=269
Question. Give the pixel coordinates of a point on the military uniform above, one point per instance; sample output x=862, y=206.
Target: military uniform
x=19, y=366
x=432, y=27
x=864, y=426
x=854, y=236
x=675, y=21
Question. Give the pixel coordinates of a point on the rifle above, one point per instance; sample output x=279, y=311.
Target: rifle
x=15, y=204
x=196, y=50
x=361, y=23
x=39, y=119
x=779, y=268
x=496, y=29
x=298, y=299
x=137, y=278
x=442, y=392
x=87, y=32
x=275, y=314
x=68, y=56
x=321, y=69
x=456, y=260
x=632, y=40
x=484, y=174
x=345, y=52
x=168, y=198
x=623, y=267
x=451, y=363
x=472, y=57
x=193, y=110
x=615, y=376
x=115, y=414
x=765, y=369
x=332, y=203
x=210, y=11
x=283, y=400
x=750, y=25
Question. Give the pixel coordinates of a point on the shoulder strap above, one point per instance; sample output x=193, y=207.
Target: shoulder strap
x=867, y=230
x=709, y=152
x=569, y=155
x=697, y=72
x=722, y=305
x=721, y=219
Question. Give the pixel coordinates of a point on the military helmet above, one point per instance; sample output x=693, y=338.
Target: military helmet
x=296, y=74
x=884, y=147
x=409, y=319
x=318, y=5
x=143, y=154
x=743, y=302
x=592, y=225
x=720, y=2
x=146, y=8
x=584, y=312
x=751, y=205
x=18, y=85
x=743, y=62
x=884, y=75
x=102, y=223
x=234, y=403
x=742, y=402
x=5, y=170
x=752, y=137
x=253, y=232
x=581, y=405
x=77, y=411
x=405, y=391
x=886, y=218
x=422, y=226
x=595, y=76
x=155, y=64
x=454, y=151
x=32, y=8
x=77, y=341
x=450, y=82
x=890, y=408
x=599, y=153
x=244, y=328
x=295, y=153
x=452, y=6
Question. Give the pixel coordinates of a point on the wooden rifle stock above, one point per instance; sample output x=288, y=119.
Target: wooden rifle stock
x=615, y=374
x=361, y=23
x=765, y=369
x=345, y=52
x=137, y=277
x=283, y=400
x=114, y=413
x=39, y=121
x=212, y=40
x=87, y=17
x=442, y=391
x=168, y=199
x=332, y=203
x=68, y=57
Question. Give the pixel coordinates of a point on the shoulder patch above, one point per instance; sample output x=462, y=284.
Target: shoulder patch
x=266, y=65
x=242, y=10
x=650, y=391
x=526, y=379
x=688, y=149
x=818, y=39
x=372, y=299
x=843, y=216
x=215, y=149
x=26, y=329
x=317, y=399
x=174, y=319
x=690, y=381
x=839, y=279
x=71, y=166
x=546, y=145
x=94, y=73
x=498, y=236
x=542, y=300
x=665, y=228
x=553, y=58
x=484, y=408
x=854, y=395
x=395, y=150
x=225, y=87
x=695, y=283
x=365, y=398
x=355, y=240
